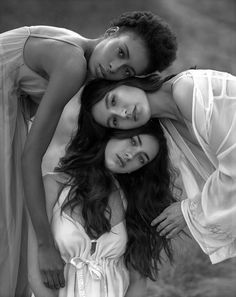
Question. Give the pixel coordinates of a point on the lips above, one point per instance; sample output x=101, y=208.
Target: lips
x=134, y=113
x=120, y=160
x=100, y=71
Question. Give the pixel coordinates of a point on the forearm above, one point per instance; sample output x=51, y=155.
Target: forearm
x=35, y=199
x=34, y=277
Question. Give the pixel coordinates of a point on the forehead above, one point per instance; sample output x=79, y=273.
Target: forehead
x=124, y=90
x=138, y=53
x=150, y=145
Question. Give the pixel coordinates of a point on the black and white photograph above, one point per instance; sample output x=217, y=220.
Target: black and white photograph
x=117, y=148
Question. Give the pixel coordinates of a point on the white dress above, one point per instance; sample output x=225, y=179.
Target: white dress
x=210, y=212
x=94, y=268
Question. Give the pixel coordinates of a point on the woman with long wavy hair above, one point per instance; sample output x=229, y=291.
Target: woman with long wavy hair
x=101, y=200
x=197, y=109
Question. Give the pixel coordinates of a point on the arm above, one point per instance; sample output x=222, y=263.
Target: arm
x=65, y=80
x=35, y=278
x=210, y=215
x=137, y=286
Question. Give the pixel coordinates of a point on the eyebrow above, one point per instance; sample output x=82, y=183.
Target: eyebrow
x=128, y=56
x=139, y=140
x=146, y=155
x=140, y=143
x=106, y=101
x=127, y=50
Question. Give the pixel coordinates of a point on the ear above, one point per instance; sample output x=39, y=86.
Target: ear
x=112, y=30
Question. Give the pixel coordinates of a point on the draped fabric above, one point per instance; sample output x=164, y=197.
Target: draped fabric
x=210, y=211
x=94, y=268
x=21, y=90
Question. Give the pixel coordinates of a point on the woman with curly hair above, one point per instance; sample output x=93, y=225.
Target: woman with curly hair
x=101, y=200
x=42, y=67
x=197, y=108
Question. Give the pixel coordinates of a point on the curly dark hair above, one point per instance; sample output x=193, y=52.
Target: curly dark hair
x=160, y=40
x=148, y=191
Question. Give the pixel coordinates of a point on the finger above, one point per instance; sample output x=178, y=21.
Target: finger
x=167, y=230
x=61, y=279
x=173, y=233
x=54, y=275
x=50, y=280
x=162, y=225
x=158, y=219
x=44, y=279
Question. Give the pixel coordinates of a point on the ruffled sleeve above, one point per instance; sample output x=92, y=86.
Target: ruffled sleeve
x=211, y=214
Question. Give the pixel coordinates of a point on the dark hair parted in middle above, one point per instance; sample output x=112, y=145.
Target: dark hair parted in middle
x=95, y=90
x=148, y=192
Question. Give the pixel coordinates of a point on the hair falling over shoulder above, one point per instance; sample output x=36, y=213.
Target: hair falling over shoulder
x=148, y=192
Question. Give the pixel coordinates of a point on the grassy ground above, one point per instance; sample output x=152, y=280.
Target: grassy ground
x=206, y=34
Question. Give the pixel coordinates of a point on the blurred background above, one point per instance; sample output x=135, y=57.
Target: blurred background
x=205, y=32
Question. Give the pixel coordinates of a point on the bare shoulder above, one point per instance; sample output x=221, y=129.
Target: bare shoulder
x=182, y=92
x=48, y=56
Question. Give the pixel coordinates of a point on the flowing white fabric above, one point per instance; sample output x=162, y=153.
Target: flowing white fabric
x=20, y=89
x=211, y=212
x=94, y=268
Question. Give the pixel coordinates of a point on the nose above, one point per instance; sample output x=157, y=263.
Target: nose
x=125, y=114
x=128, y=156
x=115, y=65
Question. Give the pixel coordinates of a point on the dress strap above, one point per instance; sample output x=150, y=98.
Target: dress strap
x=174, y=134
x=63, y=195
x=61, y=39
x=179, y=76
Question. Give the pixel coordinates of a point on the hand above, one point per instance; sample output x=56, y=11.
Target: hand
x=51, y=267
x=171, y=221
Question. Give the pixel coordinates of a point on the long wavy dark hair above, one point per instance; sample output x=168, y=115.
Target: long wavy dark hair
x=148, y=192
x=95, y=90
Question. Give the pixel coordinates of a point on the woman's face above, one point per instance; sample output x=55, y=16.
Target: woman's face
x=119, y=57
x=122, y=108
x=130, y=154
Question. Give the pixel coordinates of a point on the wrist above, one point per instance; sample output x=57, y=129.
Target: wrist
x=45, y=238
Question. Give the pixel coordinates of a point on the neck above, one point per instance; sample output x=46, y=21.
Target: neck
x=89, y=46
x=162, y=103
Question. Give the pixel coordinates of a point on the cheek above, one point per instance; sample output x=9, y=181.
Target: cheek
x=98, y=113
x=133, y=166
